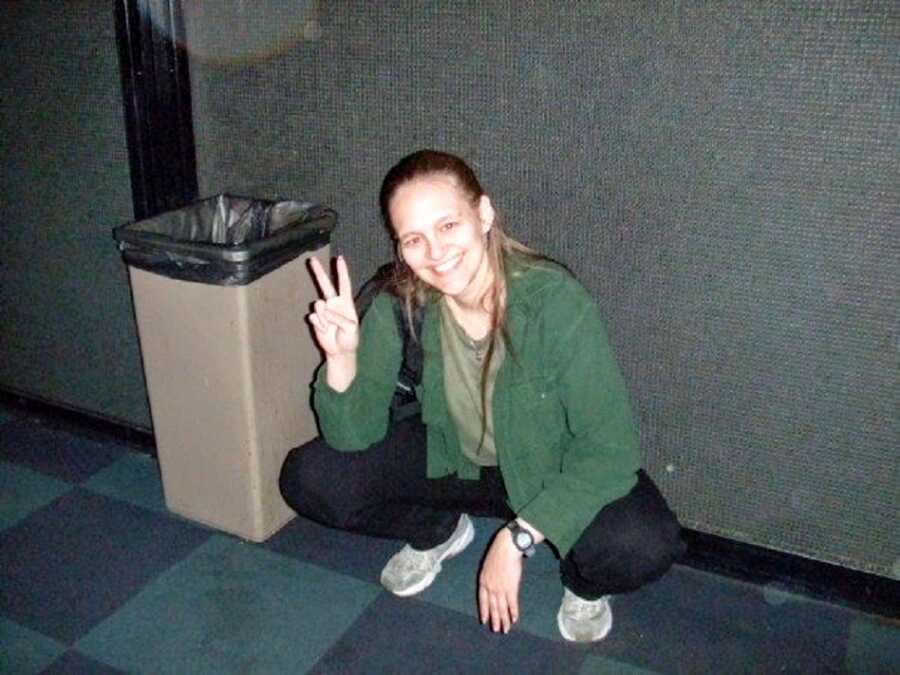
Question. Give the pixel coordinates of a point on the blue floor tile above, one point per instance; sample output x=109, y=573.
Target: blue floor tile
x=785, y=641
x=23, y=491
x=135, y=478
x=599, y=665
x=73, y=663
x=231, y=607
x=53, y=451
x=407, y=635
x=713, y=624
x=352, y=554
x=24, y=651
x=70, y=564
x=873, y=646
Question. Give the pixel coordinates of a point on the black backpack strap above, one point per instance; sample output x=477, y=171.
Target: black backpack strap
x=372, y=288
x=404, y=402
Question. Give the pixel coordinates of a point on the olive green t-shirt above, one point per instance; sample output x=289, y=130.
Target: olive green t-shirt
x=463, y=362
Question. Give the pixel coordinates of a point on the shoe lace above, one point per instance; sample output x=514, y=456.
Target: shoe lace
x=580, y=609
x=415, y=561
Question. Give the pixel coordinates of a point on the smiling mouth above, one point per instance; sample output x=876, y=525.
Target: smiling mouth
x=445, y=267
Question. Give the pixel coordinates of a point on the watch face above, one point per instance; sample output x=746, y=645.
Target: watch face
x=523, y=540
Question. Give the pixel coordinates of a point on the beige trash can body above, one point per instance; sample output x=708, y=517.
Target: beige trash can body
x=228, y=372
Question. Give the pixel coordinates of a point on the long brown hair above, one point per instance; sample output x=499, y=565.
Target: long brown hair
x=499, y=248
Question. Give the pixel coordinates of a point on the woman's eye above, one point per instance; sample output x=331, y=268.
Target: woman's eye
x=448, y=226
x=412, y=241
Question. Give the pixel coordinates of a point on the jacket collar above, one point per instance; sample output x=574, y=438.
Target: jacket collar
x=523, y=281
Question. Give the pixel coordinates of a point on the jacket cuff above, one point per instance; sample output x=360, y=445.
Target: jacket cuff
x=557, y=531
x=557, y=518
x=340, y=413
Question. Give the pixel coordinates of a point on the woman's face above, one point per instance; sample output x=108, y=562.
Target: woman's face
x=441, y=235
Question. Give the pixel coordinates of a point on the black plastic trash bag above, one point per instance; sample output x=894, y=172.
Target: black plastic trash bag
x=225, y=240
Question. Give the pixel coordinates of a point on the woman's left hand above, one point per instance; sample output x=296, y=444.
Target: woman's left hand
x=498, y=583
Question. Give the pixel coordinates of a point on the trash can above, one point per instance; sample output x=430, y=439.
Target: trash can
x=221, y=289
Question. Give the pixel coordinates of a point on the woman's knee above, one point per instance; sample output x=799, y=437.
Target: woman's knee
x=658, y=546
x=334, y=487
x=294, y=478
x=310, y=483
x=630, y=544
x=622, y=566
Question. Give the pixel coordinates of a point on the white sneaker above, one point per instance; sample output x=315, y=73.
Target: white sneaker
x=410, y=571
x=583, y=620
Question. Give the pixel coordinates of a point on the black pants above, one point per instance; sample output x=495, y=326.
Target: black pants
x=383, y=492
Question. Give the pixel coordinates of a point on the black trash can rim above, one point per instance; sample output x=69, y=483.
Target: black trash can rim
x=147, y=245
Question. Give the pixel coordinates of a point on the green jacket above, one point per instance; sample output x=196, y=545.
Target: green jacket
x=563, y=426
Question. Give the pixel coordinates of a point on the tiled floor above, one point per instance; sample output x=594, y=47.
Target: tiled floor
x=96, y=576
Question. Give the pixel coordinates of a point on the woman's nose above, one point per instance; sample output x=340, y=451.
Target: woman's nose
x=435, y=249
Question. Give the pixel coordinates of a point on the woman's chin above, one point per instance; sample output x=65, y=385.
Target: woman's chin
x=446, y=288
x=451, y=284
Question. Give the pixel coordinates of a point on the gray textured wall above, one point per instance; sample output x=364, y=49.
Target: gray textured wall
x=722, y=176
x=66, y=325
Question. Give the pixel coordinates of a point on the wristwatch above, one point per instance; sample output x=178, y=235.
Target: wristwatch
x=522, y=538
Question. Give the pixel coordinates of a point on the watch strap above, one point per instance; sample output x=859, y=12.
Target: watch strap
x=522, y=538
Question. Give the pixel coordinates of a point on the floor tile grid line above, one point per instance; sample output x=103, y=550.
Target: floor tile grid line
x=400, y=632
x=229, y=601
x=460, y=613
x=87, y=485
x=61, y=592
x=24, y=490
x=425, y=598
x=179, y=519
x=428, y=599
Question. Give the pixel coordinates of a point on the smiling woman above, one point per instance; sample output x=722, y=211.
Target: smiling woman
x=524, y=414
x=441, y=237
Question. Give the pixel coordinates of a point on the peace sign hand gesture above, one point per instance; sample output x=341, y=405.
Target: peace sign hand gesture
x=336, y=324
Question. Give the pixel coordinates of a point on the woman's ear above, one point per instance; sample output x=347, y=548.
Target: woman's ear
x=486, y=213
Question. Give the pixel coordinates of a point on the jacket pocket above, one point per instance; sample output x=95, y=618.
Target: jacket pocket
x=536, y=423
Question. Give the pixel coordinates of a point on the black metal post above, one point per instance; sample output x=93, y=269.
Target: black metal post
x=156, y=93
